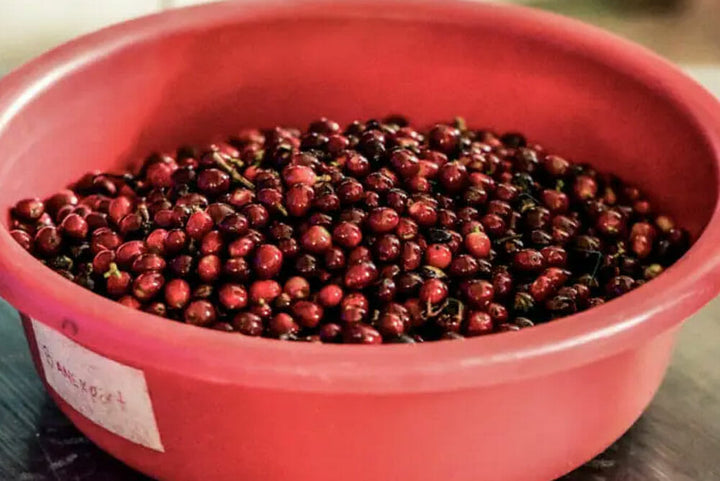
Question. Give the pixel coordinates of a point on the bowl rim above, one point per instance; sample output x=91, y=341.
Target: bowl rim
x=151, y=343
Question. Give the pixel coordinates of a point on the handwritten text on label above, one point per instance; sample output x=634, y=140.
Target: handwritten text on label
x=109, y=393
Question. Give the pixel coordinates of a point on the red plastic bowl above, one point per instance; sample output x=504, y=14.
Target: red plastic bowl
x=526, y=406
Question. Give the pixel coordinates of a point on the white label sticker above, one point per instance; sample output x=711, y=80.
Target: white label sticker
x=111, y=394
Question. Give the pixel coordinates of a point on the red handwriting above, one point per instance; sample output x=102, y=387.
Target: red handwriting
x=93, y=392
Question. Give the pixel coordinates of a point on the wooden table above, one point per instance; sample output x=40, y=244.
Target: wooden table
x=677, y=439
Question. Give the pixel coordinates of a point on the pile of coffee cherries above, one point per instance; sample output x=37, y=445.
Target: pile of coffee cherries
x=376, y=233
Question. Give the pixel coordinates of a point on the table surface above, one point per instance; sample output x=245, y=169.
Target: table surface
x=677, y=439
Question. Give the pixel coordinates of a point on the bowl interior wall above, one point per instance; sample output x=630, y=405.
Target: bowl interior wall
x=195, y=84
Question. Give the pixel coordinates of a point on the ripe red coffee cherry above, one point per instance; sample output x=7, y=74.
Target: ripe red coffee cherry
x=316, y=240
x=478, y=244
x=297, y=287
x=438, y=255
x=347, y=234
x=233, y=296
x=307, y=313
x=268, y=261
x=358, y=333
x=478, y=323
x=200, y=313
x=330, y=295
x=264, y=291
x=361, y=275
x=198, y=224
x=479, y=293
x=374, y=232
x=383, y=219
x=177, y=293
x=433, y=291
